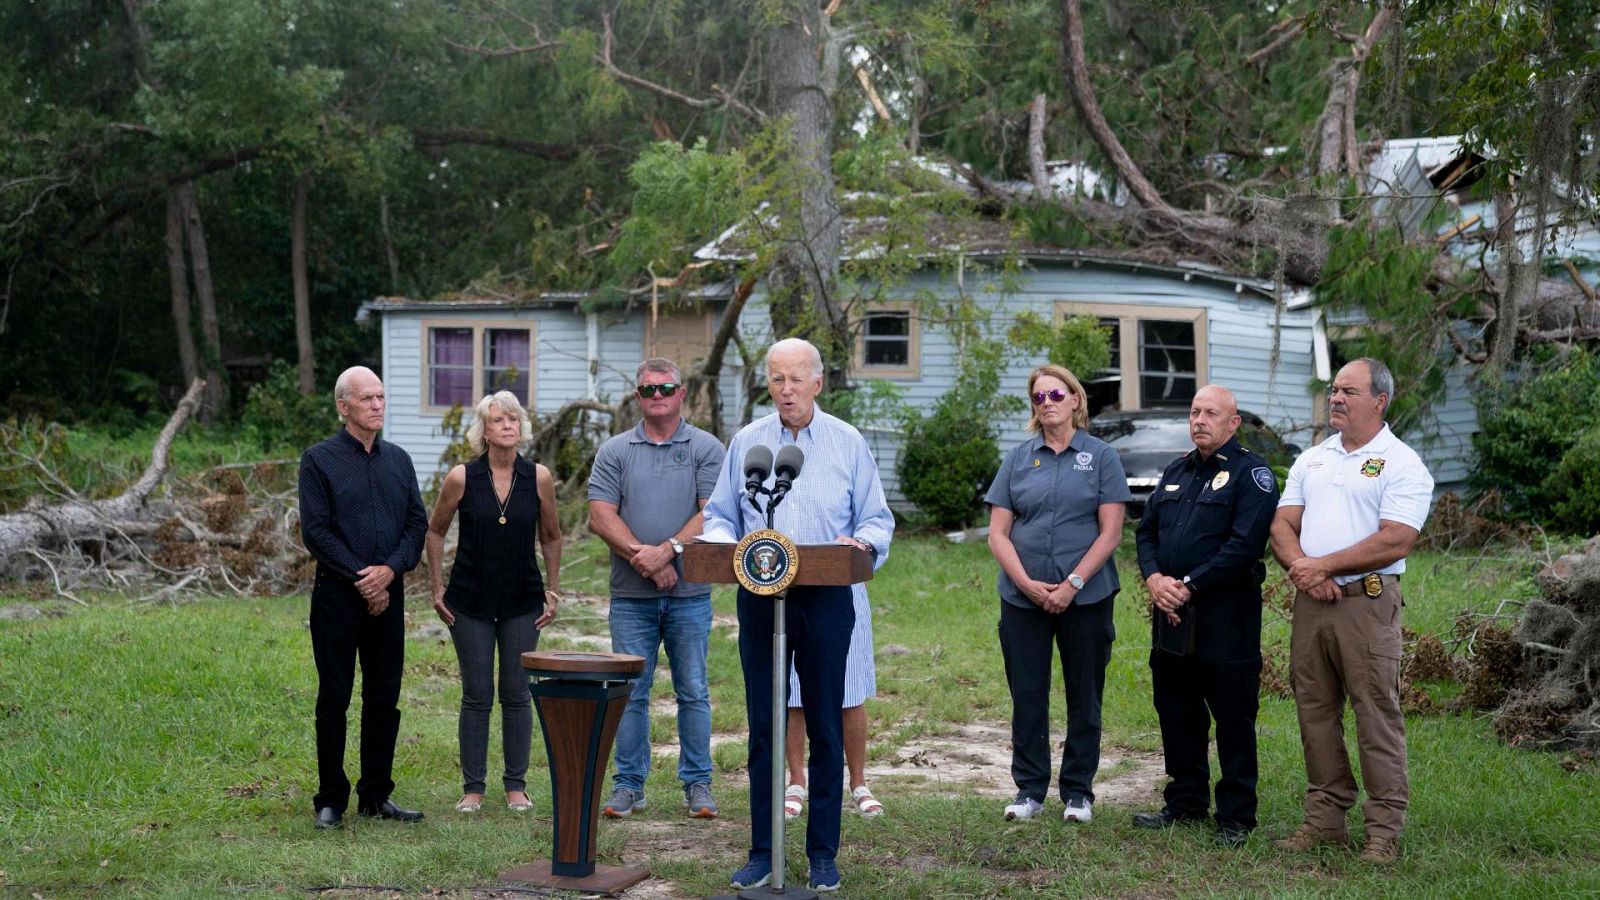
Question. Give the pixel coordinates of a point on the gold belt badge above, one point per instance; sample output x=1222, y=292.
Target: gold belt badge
x=1372, y=583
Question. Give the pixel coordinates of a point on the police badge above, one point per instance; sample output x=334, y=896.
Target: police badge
x=765, y=562
x=1372, y=582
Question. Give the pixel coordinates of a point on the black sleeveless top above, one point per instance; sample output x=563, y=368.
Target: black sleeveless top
x=496, y=572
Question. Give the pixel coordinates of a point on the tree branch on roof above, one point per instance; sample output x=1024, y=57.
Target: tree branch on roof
x=1291, y=28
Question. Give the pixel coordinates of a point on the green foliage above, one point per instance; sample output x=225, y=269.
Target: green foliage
x=951, y=454
x=1528, y=426
x=277, y=415
x=868, y=404
x=1080, y=343
x=1375, y=273
x=1576, y=482
x=682, y=197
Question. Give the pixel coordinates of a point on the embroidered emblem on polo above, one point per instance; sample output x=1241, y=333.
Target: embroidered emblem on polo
x=1372, y=468
x=681, y=455
x=1219, y=482
x=1264, y=479
x=1085, y=457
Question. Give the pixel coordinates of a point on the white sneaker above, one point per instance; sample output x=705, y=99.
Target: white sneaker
x=1080, y=809
x=1023, y=808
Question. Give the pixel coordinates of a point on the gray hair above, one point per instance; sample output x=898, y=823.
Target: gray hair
x=1382, y=378
x=659, y=364
x=507, y=403
x=341, y=387
x=798, y=344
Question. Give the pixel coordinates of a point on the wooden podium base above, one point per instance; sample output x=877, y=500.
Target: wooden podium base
x=605, y=880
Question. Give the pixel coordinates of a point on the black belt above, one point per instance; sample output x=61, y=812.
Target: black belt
x=1370, y=585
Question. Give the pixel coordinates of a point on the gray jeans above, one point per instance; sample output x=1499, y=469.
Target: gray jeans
x=475, y=641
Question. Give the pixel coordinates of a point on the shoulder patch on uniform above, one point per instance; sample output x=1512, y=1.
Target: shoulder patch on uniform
x=1264, y=478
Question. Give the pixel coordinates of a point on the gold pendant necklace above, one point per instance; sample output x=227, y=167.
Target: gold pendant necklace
x=506, y=502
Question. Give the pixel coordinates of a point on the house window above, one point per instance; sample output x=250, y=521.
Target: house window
x=463, y=361
x=887, y=342
x=1158, y=355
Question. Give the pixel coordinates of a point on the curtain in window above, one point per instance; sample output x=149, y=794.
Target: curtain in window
x=450, y=367
x=506, y=361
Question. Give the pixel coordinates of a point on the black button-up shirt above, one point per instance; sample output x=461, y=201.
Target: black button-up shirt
x=360, y=509
x=1209, y=519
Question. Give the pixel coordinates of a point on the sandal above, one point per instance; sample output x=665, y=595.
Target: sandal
x=866, y=803
x=794, y=801
x=469, y=806
x=522, y=805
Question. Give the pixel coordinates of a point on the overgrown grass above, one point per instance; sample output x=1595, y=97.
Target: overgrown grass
x=169, y=750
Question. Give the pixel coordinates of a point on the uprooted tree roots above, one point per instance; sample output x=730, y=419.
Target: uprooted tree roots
x=1554, y=699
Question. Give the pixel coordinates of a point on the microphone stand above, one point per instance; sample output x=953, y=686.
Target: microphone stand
x=780, y=721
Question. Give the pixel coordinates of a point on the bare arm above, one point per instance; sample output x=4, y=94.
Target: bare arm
x=1286, y=547
x=605, y=522
x=549, y=542
x=1391, y=542
x=1005, y=553
x=444, y=511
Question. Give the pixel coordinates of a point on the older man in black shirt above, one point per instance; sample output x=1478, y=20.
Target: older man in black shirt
x=361, y=516
x=1201, y=541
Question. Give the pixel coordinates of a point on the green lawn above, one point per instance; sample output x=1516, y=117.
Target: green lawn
x=169, y=750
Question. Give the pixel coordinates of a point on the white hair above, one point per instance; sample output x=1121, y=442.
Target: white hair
x=506, y=402
x=341, y=387
x=788, y=345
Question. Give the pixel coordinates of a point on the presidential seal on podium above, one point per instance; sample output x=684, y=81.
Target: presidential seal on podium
x=766, y=562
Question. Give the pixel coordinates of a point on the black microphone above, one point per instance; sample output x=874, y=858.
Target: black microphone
x=786, y=468
x=757, y=463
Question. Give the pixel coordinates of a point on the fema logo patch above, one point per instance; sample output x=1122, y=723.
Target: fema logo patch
x=1085, y=457
x=1263, y=478
x=765, y=562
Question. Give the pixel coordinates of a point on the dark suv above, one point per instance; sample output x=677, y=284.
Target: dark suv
x=1149, y=440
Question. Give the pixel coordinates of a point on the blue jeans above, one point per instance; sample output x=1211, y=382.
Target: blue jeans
x=640, y=627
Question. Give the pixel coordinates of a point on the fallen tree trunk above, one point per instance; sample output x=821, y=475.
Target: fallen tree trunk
x=79, y=519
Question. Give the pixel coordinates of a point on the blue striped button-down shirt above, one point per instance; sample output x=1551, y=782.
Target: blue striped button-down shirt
x=838, y=491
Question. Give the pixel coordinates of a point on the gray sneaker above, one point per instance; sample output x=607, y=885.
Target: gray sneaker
x=698, y=798
x=623, y=802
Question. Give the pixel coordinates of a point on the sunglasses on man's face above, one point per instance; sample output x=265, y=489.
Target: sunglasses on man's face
x=649, y=390
x=1054, y=395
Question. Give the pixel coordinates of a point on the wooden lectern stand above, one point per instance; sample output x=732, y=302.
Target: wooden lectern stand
x=580, y=697
x=826, y=565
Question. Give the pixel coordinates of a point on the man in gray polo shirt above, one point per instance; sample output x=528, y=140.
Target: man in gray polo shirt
x=646, y=491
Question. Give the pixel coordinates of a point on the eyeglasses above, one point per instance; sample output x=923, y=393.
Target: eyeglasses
x=1054, y=395
x=649, y=390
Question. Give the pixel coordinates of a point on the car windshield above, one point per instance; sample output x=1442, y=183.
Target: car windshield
x=1143, y=434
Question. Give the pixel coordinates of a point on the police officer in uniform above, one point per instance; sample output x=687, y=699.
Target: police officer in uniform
x=1201, y=543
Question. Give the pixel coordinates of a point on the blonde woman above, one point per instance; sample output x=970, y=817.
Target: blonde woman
x=1055, y=515
x=497, y=596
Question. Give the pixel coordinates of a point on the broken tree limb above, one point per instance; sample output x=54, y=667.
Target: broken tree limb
x=1036, y=167
x=79, y=519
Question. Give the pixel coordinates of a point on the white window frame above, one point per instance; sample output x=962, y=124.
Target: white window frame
x=1128, y=317
x=478, y=326
x=912, y=370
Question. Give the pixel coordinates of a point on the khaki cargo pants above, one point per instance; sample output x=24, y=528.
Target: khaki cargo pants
x=1351, y=648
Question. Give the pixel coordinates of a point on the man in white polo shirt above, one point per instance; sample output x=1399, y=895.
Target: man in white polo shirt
x=1350, y=513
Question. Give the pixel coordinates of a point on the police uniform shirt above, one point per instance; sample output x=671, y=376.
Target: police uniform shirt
x=1345, y=494
x=1209, y=518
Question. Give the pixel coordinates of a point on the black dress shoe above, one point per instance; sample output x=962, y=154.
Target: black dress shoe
x=328, y=817
x=1232, y=834
x=387, y=810
x=1163, y=818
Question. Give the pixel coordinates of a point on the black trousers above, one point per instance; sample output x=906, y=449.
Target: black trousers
x=818, y=621
x=341, y=633
x=1189, y=693
x=1084, y=635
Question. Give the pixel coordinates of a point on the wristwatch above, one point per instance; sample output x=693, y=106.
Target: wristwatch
x=1186, y=583
x=677, y=546
x=1075, y=580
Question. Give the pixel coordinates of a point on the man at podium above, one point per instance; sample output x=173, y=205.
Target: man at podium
x=838, y=497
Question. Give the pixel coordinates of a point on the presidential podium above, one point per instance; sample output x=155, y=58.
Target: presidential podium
x=815, y=565
x=820, y=564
